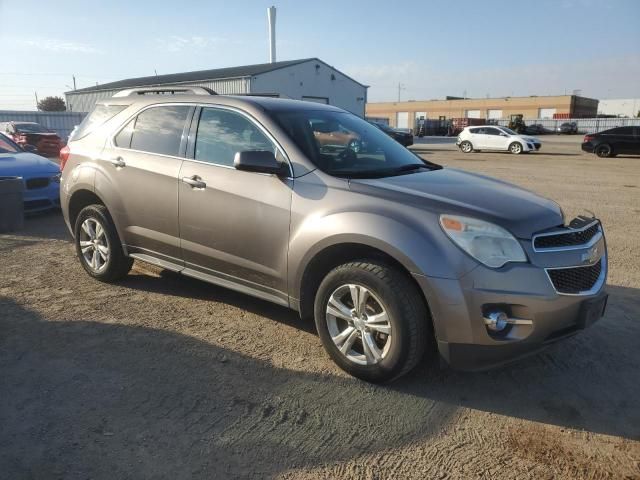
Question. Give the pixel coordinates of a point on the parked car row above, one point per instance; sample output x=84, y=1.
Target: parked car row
x=33, y=137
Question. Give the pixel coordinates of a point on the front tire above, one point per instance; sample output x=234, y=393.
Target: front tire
x=516, y=148
x=604, y=151
x=98, y=245
x=466, y=147
x=372, y=320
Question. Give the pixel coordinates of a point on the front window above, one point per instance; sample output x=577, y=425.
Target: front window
x=223, y=133
x=508, y=130
x=344, y=145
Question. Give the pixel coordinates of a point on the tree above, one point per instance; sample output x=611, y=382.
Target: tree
x=52, y=104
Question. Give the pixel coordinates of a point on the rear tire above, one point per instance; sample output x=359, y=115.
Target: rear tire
x=516, y=148
x=98, y=246
x=604, y=150
x=380, y=339
x=466, y=147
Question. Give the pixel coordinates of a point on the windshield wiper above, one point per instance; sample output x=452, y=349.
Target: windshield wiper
x=383, y=172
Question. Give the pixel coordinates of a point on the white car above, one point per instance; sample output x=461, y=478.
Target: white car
x=492, y=137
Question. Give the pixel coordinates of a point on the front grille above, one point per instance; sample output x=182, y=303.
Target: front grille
x=575, y=280
x=567, y=239
x=34, y=183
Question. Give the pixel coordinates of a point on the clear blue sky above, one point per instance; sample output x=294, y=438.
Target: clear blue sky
x=433, y=48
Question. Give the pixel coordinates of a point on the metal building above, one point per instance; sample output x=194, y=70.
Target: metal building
x=308, y=79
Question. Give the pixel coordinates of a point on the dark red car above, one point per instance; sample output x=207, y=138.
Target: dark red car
x=46, y=142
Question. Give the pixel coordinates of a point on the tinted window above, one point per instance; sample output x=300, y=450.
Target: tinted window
x=222, y=133
x=476, y=130
x=492, y=131
x=159, y=129
x=619, y=131
x=100, y=115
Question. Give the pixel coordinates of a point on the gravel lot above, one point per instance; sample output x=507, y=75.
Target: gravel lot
x=162, y=376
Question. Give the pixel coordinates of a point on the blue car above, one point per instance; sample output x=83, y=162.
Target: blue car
x=41, y=176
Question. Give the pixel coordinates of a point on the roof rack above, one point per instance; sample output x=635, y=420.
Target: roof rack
x=165, y=91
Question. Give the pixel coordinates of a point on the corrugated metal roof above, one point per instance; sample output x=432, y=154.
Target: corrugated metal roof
x=200, y=75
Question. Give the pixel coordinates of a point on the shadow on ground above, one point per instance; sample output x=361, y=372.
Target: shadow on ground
x=93, y=400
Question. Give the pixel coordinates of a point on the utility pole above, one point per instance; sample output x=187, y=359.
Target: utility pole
x=74, y=82
x=400, y=88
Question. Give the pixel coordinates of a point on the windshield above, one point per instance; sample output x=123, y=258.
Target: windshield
x=7, y=146
x=30, y=128
x=344, y=145
x=508, y=130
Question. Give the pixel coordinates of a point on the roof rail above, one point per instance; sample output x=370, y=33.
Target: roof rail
x=164, y=91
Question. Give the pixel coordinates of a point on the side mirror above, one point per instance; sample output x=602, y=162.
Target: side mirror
x=260, y=161
x=29, y=148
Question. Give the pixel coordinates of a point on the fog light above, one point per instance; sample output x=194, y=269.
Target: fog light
x=496, y=321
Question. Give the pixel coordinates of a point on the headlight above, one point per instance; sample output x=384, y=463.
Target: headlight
x=488, y=243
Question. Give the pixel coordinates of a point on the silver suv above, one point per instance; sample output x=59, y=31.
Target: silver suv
x=313, y=208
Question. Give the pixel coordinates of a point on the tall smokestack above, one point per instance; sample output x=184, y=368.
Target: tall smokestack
x=271, y=15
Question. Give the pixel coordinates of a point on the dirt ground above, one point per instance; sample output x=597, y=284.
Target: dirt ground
x=162, y=376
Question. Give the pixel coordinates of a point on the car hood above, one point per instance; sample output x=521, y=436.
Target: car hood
x=453, y=191
x=21, y=164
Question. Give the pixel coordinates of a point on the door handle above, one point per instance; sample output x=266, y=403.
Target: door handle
x=118, y=162
x=194, y=181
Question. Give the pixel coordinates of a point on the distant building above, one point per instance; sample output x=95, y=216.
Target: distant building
x=308, y=79
x=620, y=107
x=406, y=114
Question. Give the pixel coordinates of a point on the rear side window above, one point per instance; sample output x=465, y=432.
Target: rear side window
x=620, y=131
x=156, y=130
x=475, y=130
x=100, y=115
x=221, y=134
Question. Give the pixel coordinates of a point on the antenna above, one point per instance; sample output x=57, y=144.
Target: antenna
x=271, y=16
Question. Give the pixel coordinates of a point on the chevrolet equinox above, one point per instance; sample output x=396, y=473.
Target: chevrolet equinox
x=389, y=253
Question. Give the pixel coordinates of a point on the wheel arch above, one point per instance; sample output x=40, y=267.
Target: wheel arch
x=327, y=258
x=78, y=200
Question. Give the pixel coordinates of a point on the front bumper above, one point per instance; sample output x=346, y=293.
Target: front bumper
x=524, y=291
x=588, y=147
x=41, y=199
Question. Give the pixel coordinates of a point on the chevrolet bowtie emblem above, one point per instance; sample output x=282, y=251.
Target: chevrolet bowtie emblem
x=591, y=256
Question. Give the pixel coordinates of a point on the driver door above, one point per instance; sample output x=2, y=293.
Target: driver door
x=234, y=225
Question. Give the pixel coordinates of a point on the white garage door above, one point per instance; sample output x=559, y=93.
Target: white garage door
x=546, y=112
x=472, y=114
x=402, y=120
x=494, y=114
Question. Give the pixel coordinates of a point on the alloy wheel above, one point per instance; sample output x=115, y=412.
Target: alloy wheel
x=358, y=324
x=94, y=244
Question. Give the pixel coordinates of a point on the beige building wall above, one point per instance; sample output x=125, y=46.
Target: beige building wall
x=530, y=107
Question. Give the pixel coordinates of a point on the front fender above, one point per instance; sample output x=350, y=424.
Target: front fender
x=421, y=249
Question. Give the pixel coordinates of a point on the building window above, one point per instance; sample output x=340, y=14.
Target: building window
x=494, y=114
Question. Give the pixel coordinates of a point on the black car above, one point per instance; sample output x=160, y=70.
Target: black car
x=403, y=138
x=609, y=143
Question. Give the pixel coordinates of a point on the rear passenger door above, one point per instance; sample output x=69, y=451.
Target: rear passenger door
x=138, y=179
x=478, y=138
x=234, y=225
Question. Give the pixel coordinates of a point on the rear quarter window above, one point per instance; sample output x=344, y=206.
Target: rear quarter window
x=99, y=115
